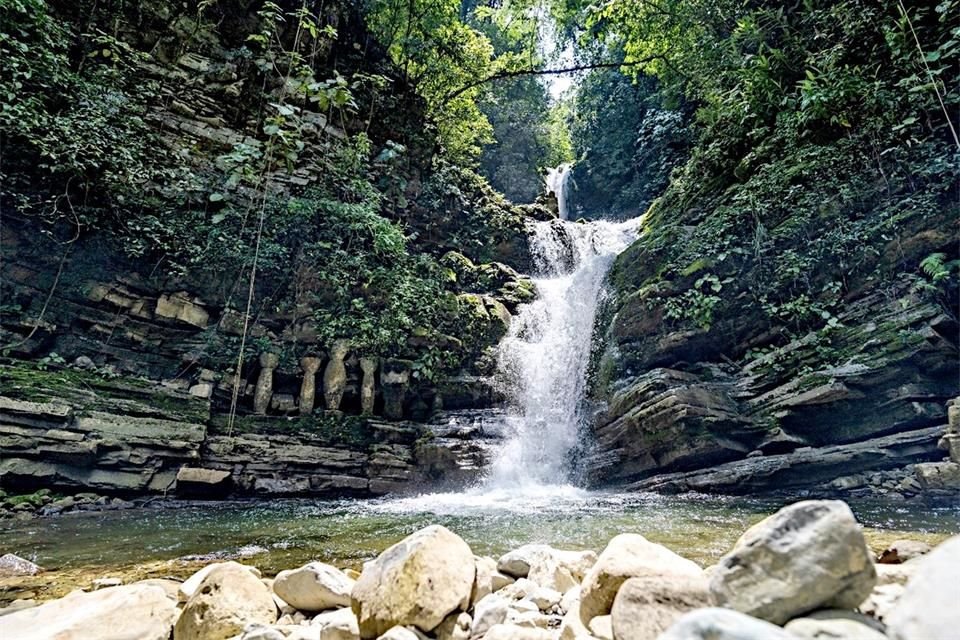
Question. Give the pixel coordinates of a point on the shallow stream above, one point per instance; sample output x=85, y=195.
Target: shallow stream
x=284, y=533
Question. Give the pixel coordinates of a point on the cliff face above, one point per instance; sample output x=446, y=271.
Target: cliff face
x=751, y=324
x=219, y=187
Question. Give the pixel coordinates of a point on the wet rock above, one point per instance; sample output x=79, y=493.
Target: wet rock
x=418, y=581
x=836, y=624
x=928, y=607
x=314, y=587
x=807, y=556
x=723, y=624
x=944, y=476
x=228, y=598
x=900, y=551
x=12, y=566
x=645, y=607
x=628, y=556
x=136, y=611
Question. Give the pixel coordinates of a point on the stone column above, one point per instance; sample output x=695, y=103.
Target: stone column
x=394, y=380
x=264, y=389
x=335, y=375
x=308, y=389
x=368, y=388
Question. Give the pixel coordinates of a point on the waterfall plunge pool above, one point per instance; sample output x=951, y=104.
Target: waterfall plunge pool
x=172, y=539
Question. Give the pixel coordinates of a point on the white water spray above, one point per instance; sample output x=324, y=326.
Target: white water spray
x=556, y=182
x=542, y=364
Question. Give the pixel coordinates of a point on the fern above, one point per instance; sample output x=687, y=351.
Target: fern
x=936, y=267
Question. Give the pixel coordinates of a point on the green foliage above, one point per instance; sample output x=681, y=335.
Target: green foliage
x=439, y=54
x=625, y=142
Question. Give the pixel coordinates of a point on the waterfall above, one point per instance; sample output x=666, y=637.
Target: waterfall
x=543, y=360
x=556, y=182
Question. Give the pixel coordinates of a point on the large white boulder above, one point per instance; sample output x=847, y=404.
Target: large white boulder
x=314, y=587
x=929, y=607
x=520, y=562
x=645, y=607
x=809, y=555
x=419, y=581
x=722, y=624
x=229, y=598
x=626, y=556
x=136, y=611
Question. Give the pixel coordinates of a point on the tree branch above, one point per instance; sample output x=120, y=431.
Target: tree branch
x=501, y=75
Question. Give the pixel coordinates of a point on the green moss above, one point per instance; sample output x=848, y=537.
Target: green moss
x=329, y=427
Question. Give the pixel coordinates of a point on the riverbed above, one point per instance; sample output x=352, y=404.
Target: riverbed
x=172, y=539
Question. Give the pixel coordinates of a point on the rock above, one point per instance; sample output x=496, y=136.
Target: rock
x=572, y=627
x=483, y=581
x=12, y=566
x=900, y=551
x=228, y=598
x=337, y=625
x=136, y=611
x=489, y=611
x=645, y=607
x=193, y=481
x=513, y=632
x=602, y=627
x=517, y=562
x=628, y=555
x=419, y=581
x=722, y=624
x=938, y=475
x=18, y=605
x=545, y=598
x=809, y=555
x=570, y=599
x=519, y=589
x=257, y=631
x=314, y=587
x=836, y=623
x=400, y=633
x=190, y=585
x=882, y=600
x=548, y=572
x=103, y=583
x=455, y=626
x=521, y=561
x=928, y=607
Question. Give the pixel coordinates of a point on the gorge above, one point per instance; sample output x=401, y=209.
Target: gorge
x=294, y=280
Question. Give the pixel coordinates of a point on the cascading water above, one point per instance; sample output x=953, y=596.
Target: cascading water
x=556, y=183
x=542, y=364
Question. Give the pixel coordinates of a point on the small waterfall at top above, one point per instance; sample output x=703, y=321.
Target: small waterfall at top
x=543, y=360
x=556, y=182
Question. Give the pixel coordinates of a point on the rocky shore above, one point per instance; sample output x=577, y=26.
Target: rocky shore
x=804, y=572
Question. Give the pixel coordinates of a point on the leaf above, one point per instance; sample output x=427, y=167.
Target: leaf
x=216, y=197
